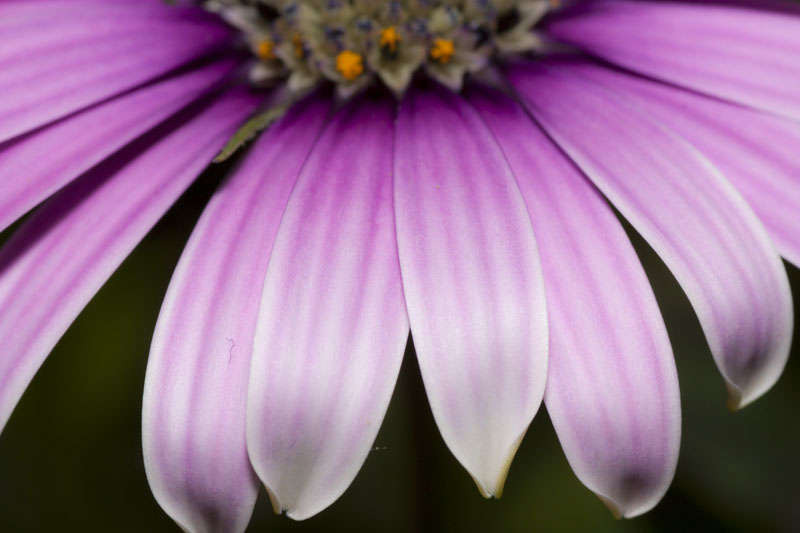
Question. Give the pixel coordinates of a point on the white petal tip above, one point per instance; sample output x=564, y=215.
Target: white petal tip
x=734, y=397
x=621, y=511
x=612, y=506
x=492, y=486
x=273, y=499
x=301, y=514
x=489, y=491
x=634, y=498
x=740, y=397
x=296, y=510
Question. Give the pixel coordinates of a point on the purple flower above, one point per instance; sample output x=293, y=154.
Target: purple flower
x=475, y=217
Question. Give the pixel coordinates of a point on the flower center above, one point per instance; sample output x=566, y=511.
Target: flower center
x=354, y=43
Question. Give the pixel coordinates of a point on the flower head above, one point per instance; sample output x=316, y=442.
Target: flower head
x=443, y=168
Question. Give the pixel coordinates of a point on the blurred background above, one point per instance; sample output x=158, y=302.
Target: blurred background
x=71, y=460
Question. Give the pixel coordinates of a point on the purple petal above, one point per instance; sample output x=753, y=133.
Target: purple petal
x=195, y=393
x=756, y=152
x=737, y=53
x=9, y=7
x=37, y=87
x=27, y=178
x=691, y=216
x=612, y=389
x=332, y=326
x=472, y=280
x=40, y=29
x=63, y=254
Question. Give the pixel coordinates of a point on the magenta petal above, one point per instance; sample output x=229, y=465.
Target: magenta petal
x=15, y=9
x=332, y=327
x=53, y=83
x=742, y=54
x=27, y=178
x=472, y=281
x=692, y=217
x=63, y=254
x=40, y=29
x=756, y=152
x=612, y=388
x=195, y=394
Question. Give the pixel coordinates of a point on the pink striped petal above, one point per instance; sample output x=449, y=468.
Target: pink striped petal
x=195, y=393
x=691, y=216
x=41, y=29
x=38, y=88
x=756, y=152
x=472, y=280
x=746, y=55
x=332, y=326
x=12, y=6
x=63, y=254
x=27, y=178
x=19, y=13
x=612, y=388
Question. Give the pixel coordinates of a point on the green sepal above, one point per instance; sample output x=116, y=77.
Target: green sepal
x=253, y=127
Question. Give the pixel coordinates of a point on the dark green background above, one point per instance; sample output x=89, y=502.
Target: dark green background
x=70, y=457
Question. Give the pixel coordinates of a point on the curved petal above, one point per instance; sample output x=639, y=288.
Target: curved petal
x=692, y=217
x=756, y=152
x=40, y=29
x=742, y=54
x=61, y=256
x=10, y=9
x=472, y=280
x=332, y=327
x=612, y=388
x=40, y=87
x=195, y=394
x=27, y=178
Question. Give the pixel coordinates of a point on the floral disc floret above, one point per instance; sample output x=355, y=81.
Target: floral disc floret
x=353, y=43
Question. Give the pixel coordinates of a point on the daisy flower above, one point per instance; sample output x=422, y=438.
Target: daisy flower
x=448, y=169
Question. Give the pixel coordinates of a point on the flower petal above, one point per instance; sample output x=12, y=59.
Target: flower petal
x=756, y=152
x=332, y=327
x=195, y=393
x=13, y=8
x=28, y=178
x=36, y=88
x=472, y=280
x=692, y=217
x=40, y=29
x=62, y=255
x=743, y=54
x=612, y=388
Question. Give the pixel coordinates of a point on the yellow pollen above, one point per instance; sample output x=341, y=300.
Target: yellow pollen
x=442, y=50
x=389, y=39
x=349, y=64
x=266, y=50
x=297, y=41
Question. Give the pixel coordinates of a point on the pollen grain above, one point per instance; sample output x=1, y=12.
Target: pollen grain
x=266, y=50
x=349, y=64
x=389, y=39
x=442, y=50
